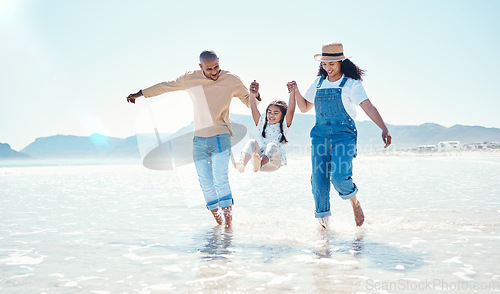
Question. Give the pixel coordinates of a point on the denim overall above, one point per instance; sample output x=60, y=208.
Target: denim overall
x=333, y=140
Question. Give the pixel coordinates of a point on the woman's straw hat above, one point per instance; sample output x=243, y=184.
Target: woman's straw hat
x=331, y=52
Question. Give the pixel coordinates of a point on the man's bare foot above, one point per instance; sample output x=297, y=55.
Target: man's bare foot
x=359, y=216
x=240, y=167
x=228, y=215
x=217, y=216
x=256, y=160
x=324, y=222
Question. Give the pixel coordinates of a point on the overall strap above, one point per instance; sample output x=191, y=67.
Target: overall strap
x=344, y=80
x=320, y=82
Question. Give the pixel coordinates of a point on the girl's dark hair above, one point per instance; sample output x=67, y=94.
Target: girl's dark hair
x=283, y=108
x=348, y=68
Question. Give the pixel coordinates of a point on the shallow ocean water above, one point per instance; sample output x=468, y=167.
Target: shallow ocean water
x=431, y=225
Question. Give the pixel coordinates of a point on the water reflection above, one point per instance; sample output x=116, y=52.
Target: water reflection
x=357, y=244
x=338, y=257
x=390, y=258
x=218, y=242
x=331, y=243
x=379, y=255
x=215, y=273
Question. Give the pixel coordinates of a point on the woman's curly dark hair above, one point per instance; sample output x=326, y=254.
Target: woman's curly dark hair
x=348, y=68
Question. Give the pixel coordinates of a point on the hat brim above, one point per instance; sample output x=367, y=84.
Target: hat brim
x=320, y=57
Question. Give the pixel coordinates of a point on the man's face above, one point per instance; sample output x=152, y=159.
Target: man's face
x=211, y=68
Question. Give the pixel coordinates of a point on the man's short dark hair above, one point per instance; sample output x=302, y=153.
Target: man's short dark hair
x=208, y=55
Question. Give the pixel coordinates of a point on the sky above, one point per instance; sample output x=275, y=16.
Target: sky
x=67, y=66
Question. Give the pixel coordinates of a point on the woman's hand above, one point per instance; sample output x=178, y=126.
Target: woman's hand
x=302, y=103
x=386, y=137
x=291, y=86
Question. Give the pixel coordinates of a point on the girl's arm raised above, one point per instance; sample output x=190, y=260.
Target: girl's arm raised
x=302, y=103
x=254, y=90
x=291, y=105
x=375, y=116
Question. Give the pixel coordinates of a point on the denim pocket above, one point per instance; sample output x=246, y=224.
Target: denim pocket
x=326, y=107
x=225, y=142
x=352, y=129
x=314, y=132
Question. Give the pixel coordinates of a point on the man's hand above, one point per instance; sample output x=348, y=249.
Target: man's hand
x=132, y=97
x=254, y=88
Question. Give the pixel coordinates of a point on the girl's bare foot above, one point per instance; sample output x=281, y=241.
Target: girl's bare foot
x=256, y=160
x=240, y=167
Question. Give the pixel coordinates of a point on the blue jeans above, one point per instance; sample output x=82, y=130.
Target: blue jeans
x=211, y=159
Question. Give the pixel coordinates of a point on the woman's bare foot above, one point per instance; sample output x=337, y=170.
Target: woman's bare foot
x=359, y=216
x=228, y=215
x=256, y=160
x=324, y=222
x=240, y=167
x=217, y=216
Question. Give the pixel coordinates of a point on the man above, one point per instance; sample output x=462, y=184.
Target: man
x=212, y=90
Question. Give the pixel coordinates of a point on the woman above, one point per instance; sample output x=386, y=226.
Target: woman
x=335, y=94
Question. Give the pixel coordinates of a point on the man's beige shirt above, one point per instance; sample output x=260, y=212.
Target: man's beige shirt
x=211, y=99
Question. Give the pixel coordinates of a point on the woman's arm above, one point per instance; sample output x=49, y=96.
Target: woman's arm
x=302, y=103
x=291, y=108
x=254, y=91
x=375, y=116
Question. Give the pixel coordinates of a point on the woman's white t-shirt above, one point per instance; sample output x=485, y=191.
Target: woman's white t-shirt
x=273, y=135
x=353, y=93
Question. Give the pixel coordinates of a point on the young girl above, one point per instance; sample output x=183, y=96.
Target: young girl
x=334, y=95
x=268, y=153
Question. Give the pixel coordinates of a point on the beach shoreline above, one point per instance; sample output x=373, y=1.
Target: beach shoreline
x=34, y=162
x=454, y=153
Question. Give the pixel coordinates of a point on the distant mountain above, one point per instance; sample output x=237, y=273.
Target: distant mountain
x=7, y=152
x=369, y=135
x=127, y=147
x=432, y=134
x=95, y=145
x=369, y=139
